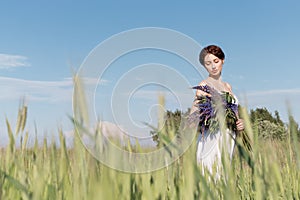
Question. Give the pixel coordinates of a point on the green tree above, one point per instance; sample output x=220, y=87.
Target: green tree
x=172, y=121
x=294, y=127
x=267, y=125
x=277, y=118
x=263, y=114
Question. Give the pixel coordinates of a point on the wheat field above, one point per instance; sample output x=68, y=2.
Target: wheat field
x=55, y=171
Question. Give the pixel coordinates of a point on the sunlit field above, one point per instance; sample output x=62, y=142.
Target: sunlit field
x=53, y=171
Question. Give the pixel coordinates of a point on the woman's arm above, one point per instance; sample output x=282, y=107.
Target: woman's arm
x=199, y=93
x=240, y=125
x=240, y=122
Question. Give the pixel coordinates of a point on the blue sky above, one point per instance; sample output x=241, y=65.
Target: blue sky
x=43, y=42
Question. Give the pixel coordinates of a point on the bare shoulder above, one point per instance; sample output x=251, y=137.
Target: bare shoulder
x=202, y=83
x=228, y=86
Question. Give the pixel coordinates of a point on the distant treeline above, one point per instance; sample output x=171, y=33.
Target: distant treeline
x=266, y=124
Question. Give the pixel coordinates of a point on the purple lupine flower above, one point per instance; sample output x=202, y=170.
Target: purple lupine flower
x=207, y=109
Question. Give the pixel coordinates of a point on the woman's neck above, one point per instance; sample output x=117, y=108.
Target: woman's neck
x=216, y=82
x=215, y=79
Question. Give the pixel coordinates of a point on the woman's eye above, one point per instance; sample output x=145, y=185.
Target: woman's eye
x=216, y=61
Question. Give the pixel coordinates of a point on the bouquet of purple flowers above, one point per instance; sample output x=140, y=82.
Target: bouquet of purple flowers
x=210, y=107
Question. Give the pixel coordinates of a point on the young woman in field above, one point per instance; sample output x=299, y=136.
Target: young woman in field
x=212, y=140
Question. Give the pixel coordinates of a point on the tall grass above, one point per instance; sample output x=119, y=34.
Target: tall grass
x=54, y=171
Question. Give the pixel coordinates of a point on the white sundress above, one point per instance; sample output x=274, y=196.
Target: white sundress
x=209, y=148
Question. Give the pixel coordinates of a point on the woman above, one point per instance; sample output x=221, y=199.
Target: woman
x=210, y=145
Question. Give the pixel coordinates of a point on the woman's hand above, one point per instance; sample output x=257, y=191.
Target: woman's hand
x=200, y=93
x=240, y=125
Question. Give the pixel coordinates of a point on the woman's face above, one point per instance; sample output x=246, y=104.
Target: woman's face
x=213, y=64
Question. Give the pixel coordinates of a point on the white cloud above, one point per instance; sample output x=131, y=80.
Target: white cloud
x=185, y=96
x=275, y=92
x=277, y=99
x=50, y=91
x=92, y=81
x=271, y=98
x=11, y=61
x=42, y=91
x=107, y=129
